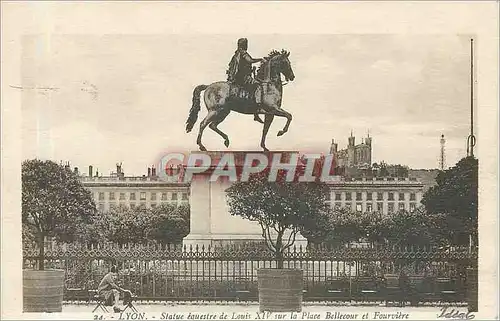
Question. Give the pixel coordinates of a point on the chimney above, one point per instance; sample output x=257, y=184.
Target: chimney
x=97, y=173
x=149, y=171
x=90, y=171
x=153, y=171
x=76, y=171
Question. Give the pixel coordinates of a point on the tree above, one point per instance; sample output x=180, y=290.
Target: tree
x=411, y=228
x=279, y=207
x=383, y=171
x=54, y=203
x=456, y=195
x=376, y=227
x=344, y=227
x=123, y=225
x=164, y=224
x=169, y=223
x=400, y=171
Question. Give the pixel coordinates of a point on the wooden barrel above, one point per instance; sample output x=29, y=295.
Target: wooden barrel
x=472, y=287
x=43, y=290
x=280, y=290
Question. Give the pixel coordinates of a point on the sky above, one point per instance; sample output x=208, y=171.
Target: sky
x=99, y=100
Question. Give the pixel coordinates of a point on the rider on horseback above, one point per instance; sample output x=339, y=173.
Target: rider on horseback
x=240, y=69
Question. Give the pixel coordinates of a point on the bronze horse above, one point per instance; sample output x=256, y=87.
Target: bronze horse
x=222, y=97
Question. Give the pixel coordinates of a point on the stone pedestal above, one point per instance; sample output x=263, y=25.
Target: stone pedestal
x=211, y=222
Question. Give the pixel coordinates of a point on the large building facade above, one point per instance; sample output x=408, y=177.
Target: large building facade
x=380, y=195
x=141, y=191
x=384, y=195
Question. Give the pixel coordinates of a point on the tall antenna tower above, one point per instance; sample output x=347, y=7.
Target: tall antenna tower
x=442, y=156
x=471, y=139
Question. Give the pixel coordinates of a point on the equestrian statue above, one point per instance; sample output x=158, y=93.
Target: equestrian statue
x=242, y=93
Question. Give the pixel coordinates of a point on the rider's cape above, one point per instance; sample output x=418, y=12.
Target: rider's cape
x=234, y=66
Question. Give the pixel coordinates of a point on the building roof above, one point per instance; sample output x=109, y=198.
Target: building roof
x=134, y=181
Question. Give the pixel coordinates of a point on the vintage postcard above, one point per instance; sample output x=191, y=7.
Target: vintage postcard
x=250, y=160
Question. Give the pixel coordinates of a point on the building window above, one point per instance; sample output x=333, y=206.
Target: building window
x=328, y=197
x=390, y=208
x=412, y=197
x=101, y=196
x=412, y=207
x=401, y=206
x=143, y=196
x=101, y=207
x=337, y=206
x=380, y=207
x=348, y=196
x=185, y=196
x=111, y=196
x=153, y=205
x=358, y=197
x=401, y=196
x=153, y=196
x=174, y=196
x=368, y=207
x=132, y=196
x=142, y=205
x=122, y=196
x=163, y=196
x=369, y=196
x=348, y=206
x=338, y=196
x=380, y=196
x=391, y=196
x=132, y=206
x=112, y=206
x=359, y=207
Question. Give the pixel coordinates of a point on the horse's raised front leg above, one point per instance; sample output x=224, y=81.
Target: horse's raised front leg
x=268, y=119
x=217, y=119
x=207, y=120
x=282, y=113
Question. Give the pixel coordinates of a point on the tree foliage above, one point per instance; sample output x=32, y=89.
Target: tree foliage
x=402, y=228
x=54, y=203
x=282, y=208
x=454, y=200
x=412, y=228
x=167, y=223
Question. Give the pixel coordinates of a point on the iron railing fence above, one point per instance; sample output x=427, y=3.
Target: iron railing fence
x=176, y=273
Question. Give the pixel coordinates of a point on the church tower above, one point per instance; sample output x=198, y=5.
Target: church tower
x=351, y=151
x=351, y=140
x=333, y=147
x=368, y=142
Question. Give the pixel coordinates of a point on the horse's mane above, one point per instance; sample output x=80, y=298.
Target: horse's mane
x=272, y=54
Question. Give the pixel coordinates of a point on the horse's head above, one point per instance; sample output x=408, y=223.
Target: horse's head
x=276, y=63
x=285, y=65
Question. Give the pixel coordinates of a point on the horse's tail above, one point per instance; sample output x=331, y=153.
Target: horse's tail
x=195, y=109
